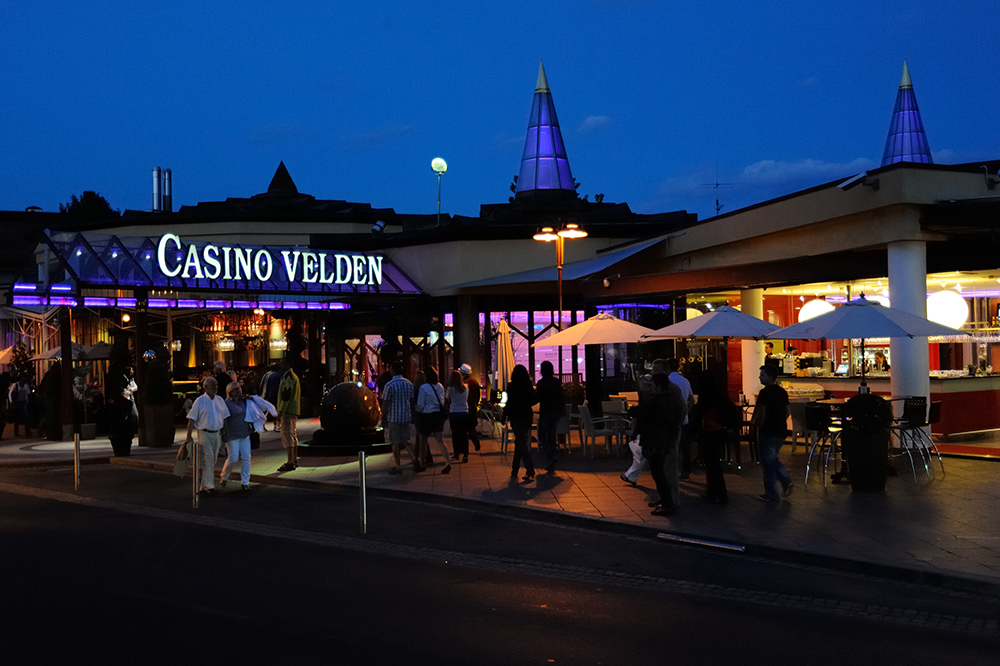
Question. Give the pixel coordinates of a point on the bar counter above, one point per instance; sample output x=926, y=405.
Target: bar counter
x=968, y=404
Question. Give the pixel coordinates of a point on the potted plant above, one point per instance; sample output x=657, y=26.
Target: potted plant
x=158, y=400
x=865, y=441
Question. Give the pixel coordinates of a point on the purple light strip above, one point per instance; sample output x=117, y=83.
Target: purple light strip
x=61, y=287
x=98, y=302
x=25, y=286
x=62, y=300
x=190, y=303
x=224, y=305
x=269, y=305
x=127, y=302
x=28, y=300
x=244, y=305
x=340, y=306
x=293, y=305
x=314, y=305
x=162, y=303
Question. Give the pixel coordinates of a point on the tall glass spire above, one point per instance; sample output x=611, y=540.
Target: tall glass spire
x=907, y=141
x=544, y=165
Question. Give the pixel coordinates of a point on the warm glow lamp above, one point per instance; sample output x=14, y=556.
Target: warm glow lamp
x=947, y=308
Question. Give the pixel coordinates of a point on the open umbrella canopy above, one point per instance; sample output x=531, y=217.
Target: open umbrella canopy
x=863, y=319
x=723, y=322
x=100, y=351
x=601, y=329
x=56, y=352
x=6, y=355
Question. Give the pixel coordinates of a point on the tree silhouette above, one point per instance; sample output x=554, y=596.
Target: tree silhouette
x=90, y=206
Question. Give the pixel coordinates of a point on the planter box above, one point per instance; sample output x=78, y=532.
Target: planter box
x=158, y=425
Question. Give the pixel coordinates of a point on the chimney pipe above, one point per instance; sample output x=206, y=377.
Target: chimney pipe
x=168, y=197
x=157, y=201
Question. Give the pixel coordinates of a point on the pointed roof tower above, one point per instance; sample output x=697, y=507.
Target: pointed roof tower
x=282, y=183
x=544, y=165
x=907, y=141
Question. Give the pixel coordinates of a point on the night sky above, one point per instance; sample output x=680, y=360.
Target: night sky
x=657, y=100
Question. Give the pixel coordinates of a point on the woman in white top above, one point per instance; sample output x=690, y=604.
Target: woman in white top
x=458, y=416
x=431, y=415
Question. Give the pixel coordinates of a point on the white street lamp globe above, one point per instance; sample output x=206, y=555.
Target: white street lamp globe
x=947, y=308
x=814, y=308
x=439, y=165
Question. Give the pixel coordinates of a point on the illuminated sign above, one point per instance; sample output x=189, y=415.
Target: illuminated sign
x=213, y=262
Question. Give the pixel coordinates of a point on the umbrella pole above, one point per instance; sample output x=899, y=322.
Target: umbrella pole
x=864, y=385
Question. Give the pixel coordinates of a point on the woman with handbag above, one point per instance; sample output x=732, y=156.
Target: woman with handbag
x=458, y=416
x=432, y=415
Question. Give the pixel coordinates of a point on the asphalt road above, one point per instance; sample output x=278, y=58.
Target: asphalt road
x=125, y=571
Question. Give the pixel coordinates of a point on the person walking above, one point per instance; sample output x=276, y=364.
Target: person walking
x=238, y=431
x=475, y=396
x=717, y=419
x=430, y=423
x=20, y=396
x=520, y=399
x=770, y=417
x=551, y=409
x=289, y=395
x=678, y=379
x=397, y=397
x=207, y=416
x=269, y=389
x=457, y=401
x=645, y=390
x=660, y=419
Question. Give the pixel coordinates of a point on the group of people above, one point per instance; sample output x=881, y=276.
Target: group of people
x=236, y=420
x=427, y=405
x=667, y=415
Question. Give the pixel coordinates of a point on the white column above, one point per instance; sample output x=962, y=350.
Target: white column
x=910, y=360
x=752, y=303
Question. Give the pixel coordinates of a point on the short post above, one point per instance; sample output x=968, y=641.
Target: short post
x=76, y=461
x=364, y=493
x=194, y=474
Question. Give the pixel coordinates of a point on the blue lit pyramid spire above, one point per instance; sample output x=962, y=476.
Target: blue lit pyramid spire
x=907, y=141
x=544, y=165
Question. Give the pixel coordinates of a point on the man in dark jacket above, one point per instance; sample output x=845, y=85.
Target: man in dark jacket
x=660, y=419
x=551, y=408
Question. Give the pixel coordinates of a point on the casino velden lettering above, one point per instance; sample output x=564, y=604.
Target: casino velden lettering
x=243, y=263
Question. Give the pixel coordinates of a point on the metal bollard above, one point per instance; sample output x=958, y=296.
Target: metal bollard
x=364, y=493
x=76, y=461
x=194, y=475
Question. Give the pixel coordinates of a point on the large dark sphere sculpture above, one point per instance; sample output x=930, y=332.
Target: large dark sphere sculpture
x=349, y=417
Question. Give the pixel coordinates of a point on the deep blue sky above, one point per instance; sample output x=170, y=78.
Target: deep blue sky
x=653, y=97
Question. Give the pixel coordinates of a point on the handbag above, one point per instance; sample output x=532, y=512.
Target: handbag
x=442, y=415
x=183, y=461
x=254, y=440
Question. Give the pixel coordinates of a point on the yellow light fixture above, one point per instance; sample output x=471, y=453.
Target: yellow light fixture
x=547, y=234
x=572, y=230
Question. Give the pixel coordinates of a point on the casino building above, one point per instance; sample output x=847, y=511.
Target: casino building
x=344, y=286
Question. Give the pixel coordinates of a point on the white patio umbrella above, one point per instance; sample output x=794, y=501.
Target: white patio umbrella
x=601, y=329
x=56, y=352
x=863, y=319
x=505, y=355
x=6, y=355
x=723, y=322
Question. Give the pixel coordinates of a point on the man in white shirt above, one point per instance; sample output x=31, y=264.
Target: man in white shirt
x=681, y=382
x=207, y=415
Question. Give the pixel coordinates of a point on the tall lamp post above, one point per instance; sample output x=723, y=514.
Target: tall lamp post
x=550, y=233
x=439, y=166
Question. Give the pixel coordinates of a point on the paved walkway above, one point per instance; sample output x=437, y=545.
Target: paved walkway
x=944, y=529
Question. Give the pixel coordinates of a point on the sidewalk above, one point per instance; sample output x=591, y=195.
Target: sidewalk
x=943, y=529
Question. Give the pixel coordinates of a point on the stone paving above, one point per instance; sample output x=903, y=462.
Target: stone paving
x=945, y=526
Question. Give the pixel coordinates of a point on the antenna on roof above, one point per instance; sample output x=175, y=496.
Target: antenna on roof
x=715, y=186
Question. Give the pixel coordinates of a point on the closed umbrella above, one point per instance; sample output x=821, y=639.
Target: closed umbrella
x=601, y=329
x=505, y=355
x=723, y=322
x=863, y=319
